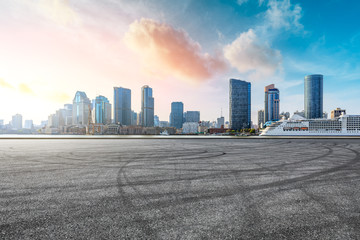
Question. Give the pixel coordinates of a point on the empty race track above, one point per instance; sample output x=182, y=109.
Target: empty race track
x=180, y=189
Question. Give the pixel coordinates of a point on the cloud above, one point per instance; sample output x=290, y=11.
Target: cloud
x=282, y=14
x=59, y=97
x=5, y=84
x=25, y=89
x=59, y=11
x=171, y=51
x=248, y=54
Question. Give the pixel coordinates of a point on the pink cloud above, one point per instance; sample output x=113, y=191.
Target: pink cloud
x=169, y=51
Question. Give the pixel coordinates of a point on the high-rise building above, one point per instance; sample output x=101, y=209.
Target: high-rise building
x=192, y=116
x=337, y=113
x=102, y=109
x=29, y=124
x=272, y=103
x=147, y=107
x=17, y=122
x=177, y=115
x=122, y=106
x=261, y=118
x=240, y=104
x=81, y=109
x=313, y=96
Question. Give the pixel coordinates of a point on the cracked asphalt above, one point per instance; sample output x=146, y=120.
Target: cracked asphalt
x=180, y=189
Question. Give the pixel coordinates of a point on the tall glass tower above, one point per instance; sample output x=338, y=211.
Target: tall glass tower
x=272, y=103
x=102, y=110
x=176, y=115
x=81, y=106
x=240, y=104
x=313, y=96
x=147, y=107
x=122, y=105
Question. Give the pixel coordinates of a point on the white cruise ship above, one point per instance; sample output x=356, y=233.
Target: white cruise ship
x=345, y=125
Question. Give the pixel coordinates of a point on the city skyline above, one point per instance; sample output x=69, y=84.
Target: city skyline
x=52, y=48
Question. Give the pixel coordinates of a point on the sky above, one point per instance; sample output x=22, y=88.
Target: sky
x=185, y=50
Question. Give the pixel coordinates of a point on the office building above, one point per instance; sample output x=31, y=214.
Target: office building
x=192, y=116
x=220, y=122
x=102, y=110
x=272, y=103
x=176, y=115
x=17, y=122
x=261, y=118
x=147, y=107
x=81, y=109
x=240, y=104
x=313, y=96
x=337, y=113
x=122, y=106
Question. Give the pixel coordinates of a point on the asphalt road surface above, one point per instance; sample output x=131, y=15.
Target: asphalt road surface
x=180, y=189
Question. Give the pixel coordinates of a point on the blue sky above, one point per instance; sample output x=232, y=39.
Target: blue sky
x=186, y=50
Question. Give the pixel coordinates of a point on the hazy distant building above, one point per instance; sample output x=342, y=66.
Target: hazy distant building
x=176, y=115
x=190, y=127
x=313, y=96
x=302, y=113
x=68, y=114
x=134, y=118
x=1, y=123
x=81, y=109
x=17, y=122
x=261, y=118
x=220, y=122
x=102, y=109
x=325, y=115
x=29, y=124
x=192, y=116
x=164, y=124
x=122, y=105
x=147, y=107
x=156, y=121
x=285, y=115
x=337, y=113
x=240, y=104
x=272, y=103
x=52, y=123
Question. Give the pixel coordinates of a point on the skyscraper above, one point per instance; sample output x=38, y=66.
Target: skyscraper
x=147, y=107
x=272, y=103
x=122, y=105
x=102, y=110
x=80, y=112
x=240, y=104
x=17, y=122
x=313, y=96
x=176, y=115
x=192, y=116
